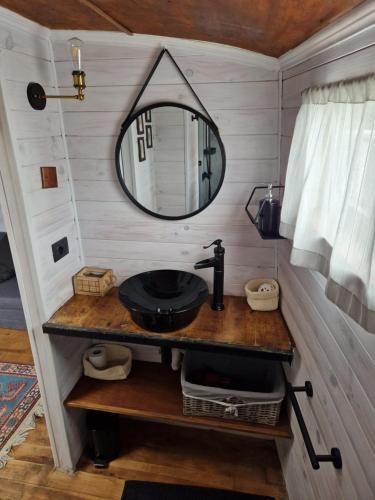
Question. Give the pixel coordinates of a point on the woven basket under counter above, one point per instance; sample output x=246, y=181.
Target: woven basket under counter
x=264, y=413
x=253, y=407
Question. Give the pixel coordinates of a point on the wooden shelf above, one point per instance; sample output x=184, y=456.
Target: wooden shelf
x=236, y=330
x=153, y=392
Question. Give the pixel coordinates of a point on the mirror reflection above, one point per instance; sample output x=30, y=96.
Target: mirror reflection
x=171, y=161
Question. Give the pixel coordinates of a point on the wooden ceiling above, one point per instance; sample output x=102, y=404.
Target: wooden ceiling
x=270, y=27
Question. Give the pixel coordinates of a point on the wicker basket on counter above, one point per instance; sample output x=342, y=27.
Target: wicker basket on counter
x=262, y=301
x=93, y=281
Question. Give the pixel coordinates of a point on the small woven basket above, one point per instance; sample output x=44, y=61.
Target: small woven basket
x=262, y=301
x=93, y=281
x=119, y=359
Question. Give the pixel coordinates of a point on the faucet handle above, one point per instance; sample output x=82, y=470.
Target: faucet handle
x=216, y=242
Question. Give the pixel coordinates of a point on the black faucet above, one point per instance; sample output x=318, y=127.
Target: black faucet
x=217, y=262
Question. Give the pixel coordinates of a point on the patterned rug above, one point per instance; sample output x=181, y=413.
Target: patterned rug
x=19, y=405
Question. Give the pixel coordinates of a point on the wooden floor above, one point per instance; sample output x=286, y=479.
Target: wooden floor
x=14, y=347
x=152, y=452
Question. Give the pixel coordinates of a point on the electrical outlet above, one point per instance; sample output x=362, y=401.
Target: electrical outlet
x=60, y=249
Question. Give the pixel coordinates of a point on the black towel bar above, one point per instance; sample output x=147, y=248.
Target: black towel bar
x=335, y=455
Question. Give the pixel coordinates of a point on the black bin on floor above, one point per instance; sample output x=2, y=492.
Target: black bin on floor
x=104, y=439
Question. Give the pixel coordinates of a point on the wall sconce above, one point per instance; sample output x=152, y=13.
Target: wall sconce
x=35, y=92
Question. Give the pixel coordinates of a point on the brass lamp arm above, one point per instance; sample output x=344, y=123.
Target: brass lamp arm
x=37, y=97
x=80, y=96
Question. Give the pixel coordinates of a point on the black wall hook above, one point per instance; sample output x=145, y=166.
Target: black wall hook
x=335, y=455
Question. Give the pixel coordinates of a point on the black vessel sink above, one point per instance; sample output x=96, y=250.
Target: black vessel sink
x=165, y=300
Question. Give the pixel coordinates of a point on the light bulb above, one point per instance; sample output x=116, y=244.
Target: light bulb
x=75, y=45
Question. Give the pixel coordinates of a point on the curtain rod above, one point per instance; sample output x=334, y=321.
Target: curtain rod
x=340, y=82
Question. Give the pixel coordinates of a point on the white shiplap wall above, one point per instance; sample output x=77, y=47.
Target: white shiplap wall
x=333, y=352
x=2, y=225
x=34, y=139
x=37, y=140
x=240, y=92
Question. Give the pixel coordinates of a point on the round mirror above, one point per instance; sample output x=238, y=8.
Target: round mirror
x=170, y=160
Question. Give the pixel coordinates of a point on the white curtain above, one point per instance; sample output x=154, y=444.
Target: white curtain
x=329, y=202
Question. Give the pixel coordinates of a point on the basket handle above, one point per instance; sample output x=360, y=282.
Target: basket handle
x=231, y=410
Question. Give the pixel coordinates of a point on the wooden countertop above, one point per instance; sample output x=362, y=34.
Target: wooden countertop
x=236, y=330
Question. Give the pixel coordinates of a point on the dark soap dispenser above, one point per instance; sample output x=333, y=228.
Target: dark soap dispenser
x=267, y=219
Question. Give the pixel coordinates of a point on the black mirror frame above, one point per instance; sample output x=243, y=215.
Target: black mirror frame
x=125, y=127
